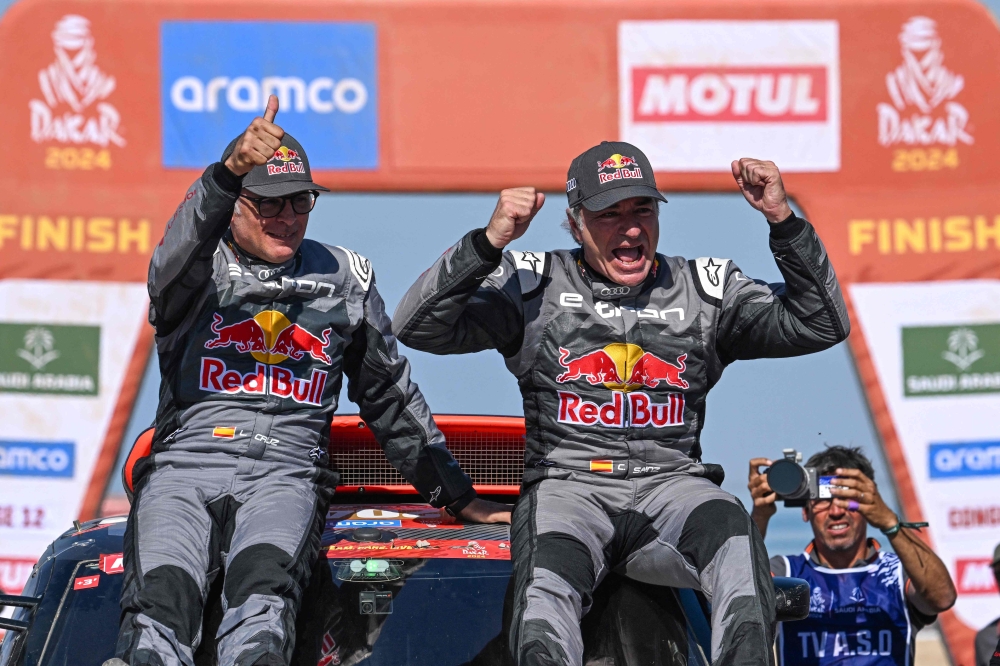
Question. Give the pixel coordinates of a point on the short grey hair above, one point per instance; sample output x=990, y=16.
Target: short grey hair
x=574, y=219
x=576, y=215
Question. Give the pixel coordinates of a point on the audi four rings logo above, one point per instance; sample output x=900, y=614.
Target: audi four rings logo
x=615, y=291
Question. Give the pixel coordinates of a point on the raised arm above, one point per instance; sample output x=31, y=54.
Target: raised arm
x=182, y=262
x=806, y=313
x=470, y=300
x=931, y=589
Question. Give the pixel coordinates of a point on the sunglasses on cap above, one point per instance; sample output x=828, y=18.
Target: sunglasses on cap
x=267, y=207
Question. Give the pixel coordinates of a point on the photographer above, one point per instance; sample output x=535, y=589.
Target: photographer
x=866, y=605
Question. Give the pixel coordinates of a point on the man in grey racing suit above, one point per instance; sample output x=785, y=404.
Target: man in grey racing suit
x=615, y=348
x=255, y=328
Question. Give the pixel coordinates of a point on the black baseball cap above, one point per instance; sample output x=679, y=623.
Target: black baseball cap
x=609, y=173
x=285, y=173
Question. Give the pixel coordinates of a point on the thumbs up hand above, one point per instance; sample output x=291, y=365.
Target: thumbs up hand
x=258, y=143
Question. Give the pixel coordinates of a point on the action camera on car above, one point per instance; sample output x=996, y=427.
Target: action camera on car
x=375, y=603
x=795, y=483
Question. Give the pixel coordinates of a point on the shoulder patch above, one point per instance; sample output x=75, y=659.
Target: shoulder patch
x=360, y=266
x=710, y=274
x=531, y=269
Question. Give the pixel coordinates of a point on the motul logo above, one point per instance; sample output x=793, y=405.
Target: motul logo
x=975, y=576
x=751, y=94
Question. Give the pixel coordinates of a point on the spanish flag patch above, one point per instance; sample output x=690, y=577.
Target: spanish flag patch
x=602, y=466
x=225, y=433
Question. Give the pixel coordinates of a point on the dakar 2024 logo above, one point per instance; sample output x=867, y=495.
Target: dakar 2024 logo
x=919, y=87
x=71, y=85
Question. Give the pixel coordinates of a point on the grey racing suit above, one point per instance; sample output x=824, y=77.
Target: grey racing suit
x=238, y=482
x=614, y=381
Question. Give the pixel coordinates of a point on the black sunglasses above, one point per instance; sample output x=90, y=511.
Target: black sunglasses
x=302, y=203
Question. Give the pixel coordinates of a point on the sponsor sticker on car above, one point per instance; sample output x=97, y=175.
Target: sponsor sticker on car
x=368, y=523
x=113, y=563
x=86, y=582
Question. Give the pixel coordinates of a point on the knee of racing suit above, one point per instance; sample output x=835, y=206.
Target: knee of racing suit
x=719, y=540
x=553, y=583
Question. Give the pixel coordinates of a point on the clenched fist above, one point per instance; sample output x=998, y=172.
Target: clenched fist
x=513, y=214
x=258, y=143
x=760, y=183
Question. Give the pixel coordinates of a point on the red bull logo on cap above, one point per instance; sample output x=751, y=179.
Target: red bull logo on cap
x=619, y=164
x=270, y=338
x=624, y=368
x=284, y=156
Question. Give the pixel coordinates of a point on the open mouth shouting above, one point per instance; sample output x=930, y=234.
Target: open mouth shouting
x=630, y=259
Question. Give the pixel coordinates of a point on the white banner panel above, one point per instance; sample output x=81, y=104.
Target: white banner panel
x=695, y=95
x=65, y=347
x=936, y=350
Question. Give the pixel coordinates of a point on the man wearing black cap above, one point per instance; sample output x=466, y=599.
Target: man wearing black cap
x=615, y=348
x=255, y=328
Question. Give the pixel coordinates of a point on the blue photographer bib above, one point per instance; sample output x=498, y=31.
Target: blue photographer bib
x=857, y=616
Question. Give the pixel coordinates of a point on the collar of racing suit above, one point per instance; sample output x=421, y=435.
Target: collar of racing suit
x=606, y=290
x=263, y=270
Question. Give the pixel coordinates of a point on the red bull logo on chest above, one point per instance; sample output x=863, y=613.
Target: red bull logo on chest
x=624, y=368
x=270, y=338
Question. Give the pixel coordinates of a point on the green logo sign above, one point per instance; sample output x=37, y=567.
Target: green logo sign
x=951, y=360
x=51, y=359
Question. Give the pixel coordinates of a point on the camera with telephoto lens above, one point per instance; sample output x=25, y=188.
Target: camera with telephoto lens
x=795, y=483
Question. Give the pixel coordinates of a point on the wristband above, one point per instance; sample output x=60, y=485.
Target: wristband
x=895, y=528
x=465, y=500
